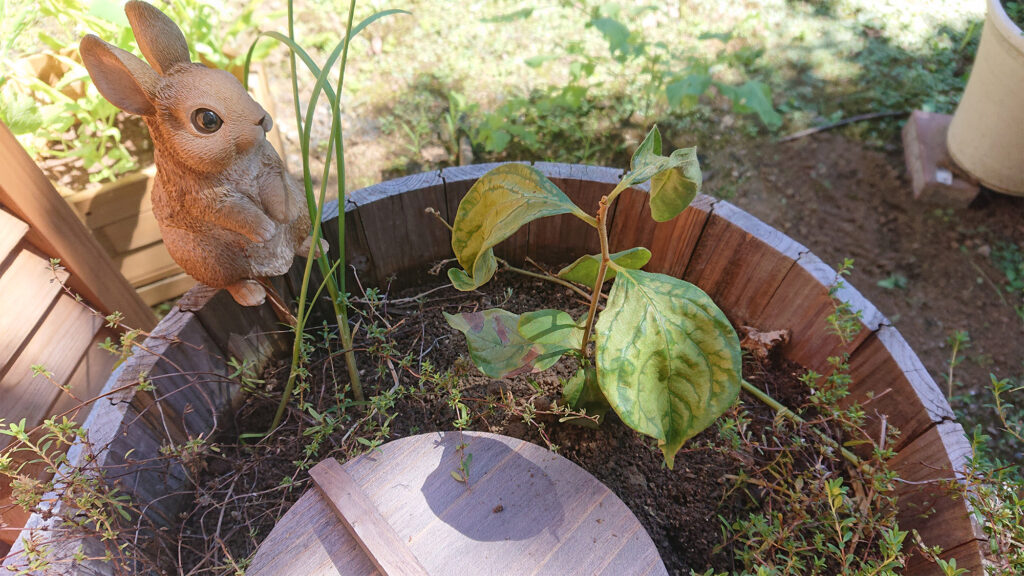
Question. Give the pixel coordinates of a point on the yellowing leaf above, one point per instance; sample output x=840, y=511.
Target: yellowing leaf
x=500, y=202
x=496, y=346
x=584, y=270
x=553, y=329
x=668, y=361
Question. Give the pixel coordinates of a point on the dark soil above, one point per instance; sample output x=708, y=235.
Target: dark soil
x=679, y=508
x=842, y=199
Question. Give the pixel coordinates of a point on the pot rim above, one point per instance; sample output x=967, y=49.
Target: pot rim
x=1013, y=34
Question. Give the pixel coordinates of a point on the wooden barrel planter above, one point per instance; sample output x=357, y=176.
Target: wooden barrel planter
x=757, y=275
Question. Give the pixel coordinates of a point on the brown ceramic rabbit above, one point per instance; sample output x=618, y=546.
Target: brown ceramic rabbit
x=228, y=211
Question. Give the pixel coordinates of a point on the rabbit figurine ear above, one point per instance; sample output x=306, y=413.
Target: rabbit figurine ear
x=159, y=38
x=120, y=76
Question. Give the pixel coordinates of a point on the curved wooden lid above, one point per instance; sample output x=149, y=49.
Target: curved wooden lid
x=525, y=510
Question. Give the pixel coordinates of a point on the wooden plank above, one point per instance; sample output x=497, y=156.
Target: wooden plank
x=564, y=238
x=166, y=289
x=400, y=234
x=925, y=503
x=12, y=231
x=57, y=232
x=89, y=376
x=122, y=199
x=740, y=262
x=671, y=243
x=375, y=536
x=27, y=291
x=802, y=305
x=85, y=383
x=885, y=367
x=246, y=333
x=318, y=546
x=457, y=182
x=147, y=265
x=188, y=373
x=58, y=345
x=358, y=260
x=967, y=557
x=138, y=230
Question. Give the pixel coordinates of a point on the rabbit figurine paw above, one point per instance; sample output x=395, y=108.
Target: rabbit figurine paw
x=228, y=211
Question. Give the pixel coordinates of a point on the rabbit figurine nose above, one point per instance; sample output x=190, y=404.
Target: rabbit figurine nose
x=266, y=122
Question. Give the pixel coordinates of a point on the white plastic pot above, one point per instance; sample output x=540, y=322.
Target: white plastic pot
x=986, y=137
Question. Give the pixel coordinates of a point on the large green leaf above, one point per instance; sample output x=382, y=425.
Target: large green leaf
x=685, y=92
x=500, y=202
x=584, y=270
x=675, y=179
x=668, y=361
x=496, y=346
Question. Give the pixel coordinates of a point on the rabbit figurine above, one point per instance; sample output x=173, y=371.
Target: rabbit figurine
x=228, y=211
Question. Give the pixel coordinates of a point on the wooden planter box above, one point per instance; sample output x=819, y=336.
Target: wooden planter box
x=120, y=215
x=757, y=275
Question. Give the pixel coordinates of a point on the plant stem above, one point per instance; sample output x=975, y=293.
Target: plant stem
x=794, y=417
x=342, y=313
x=602, y=231
x=548, y=277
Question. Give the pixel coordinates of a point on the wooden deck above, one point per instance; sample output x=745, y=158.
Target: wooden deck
x=40, y=324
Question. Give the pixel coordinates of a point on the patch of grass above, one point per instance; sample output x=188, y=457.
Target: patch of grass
x=1009, y=259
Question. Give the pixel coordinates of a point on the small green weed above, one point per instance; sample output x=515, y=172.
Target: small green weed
x=1009, y=259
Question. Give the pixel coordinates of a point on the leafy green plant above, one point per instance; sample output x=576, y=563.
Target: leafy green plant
x=665, y=358
x=663, y=77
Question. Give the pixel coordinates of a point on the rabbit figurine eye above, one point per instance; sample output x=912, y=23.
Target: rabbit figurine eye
x=206, y=121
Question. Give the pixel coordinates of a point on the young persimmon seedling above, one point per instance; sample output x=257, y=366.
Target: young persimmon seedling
x=664, y=356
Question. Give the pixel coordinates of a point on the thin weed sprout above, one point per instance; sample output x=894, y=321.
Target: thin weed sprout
x=333, y=276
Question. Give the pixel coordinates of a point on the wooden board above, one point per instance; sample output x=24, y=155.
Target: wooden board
x=115, y=201
x=87, y=381
x=57, y=232
x=925, y=504
x=245, y=333
x=740, y=262
x=12, y=231
x=57, y=345
x=358, y=260
x=400, y=234
x=526, y=510
x=166, y=289
x=906, y=397
x=147, y=264
x=27, y=290
x=138, y=230
x=671, y=243
x=564, y=238
x=376, y=538
x=802, y=304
